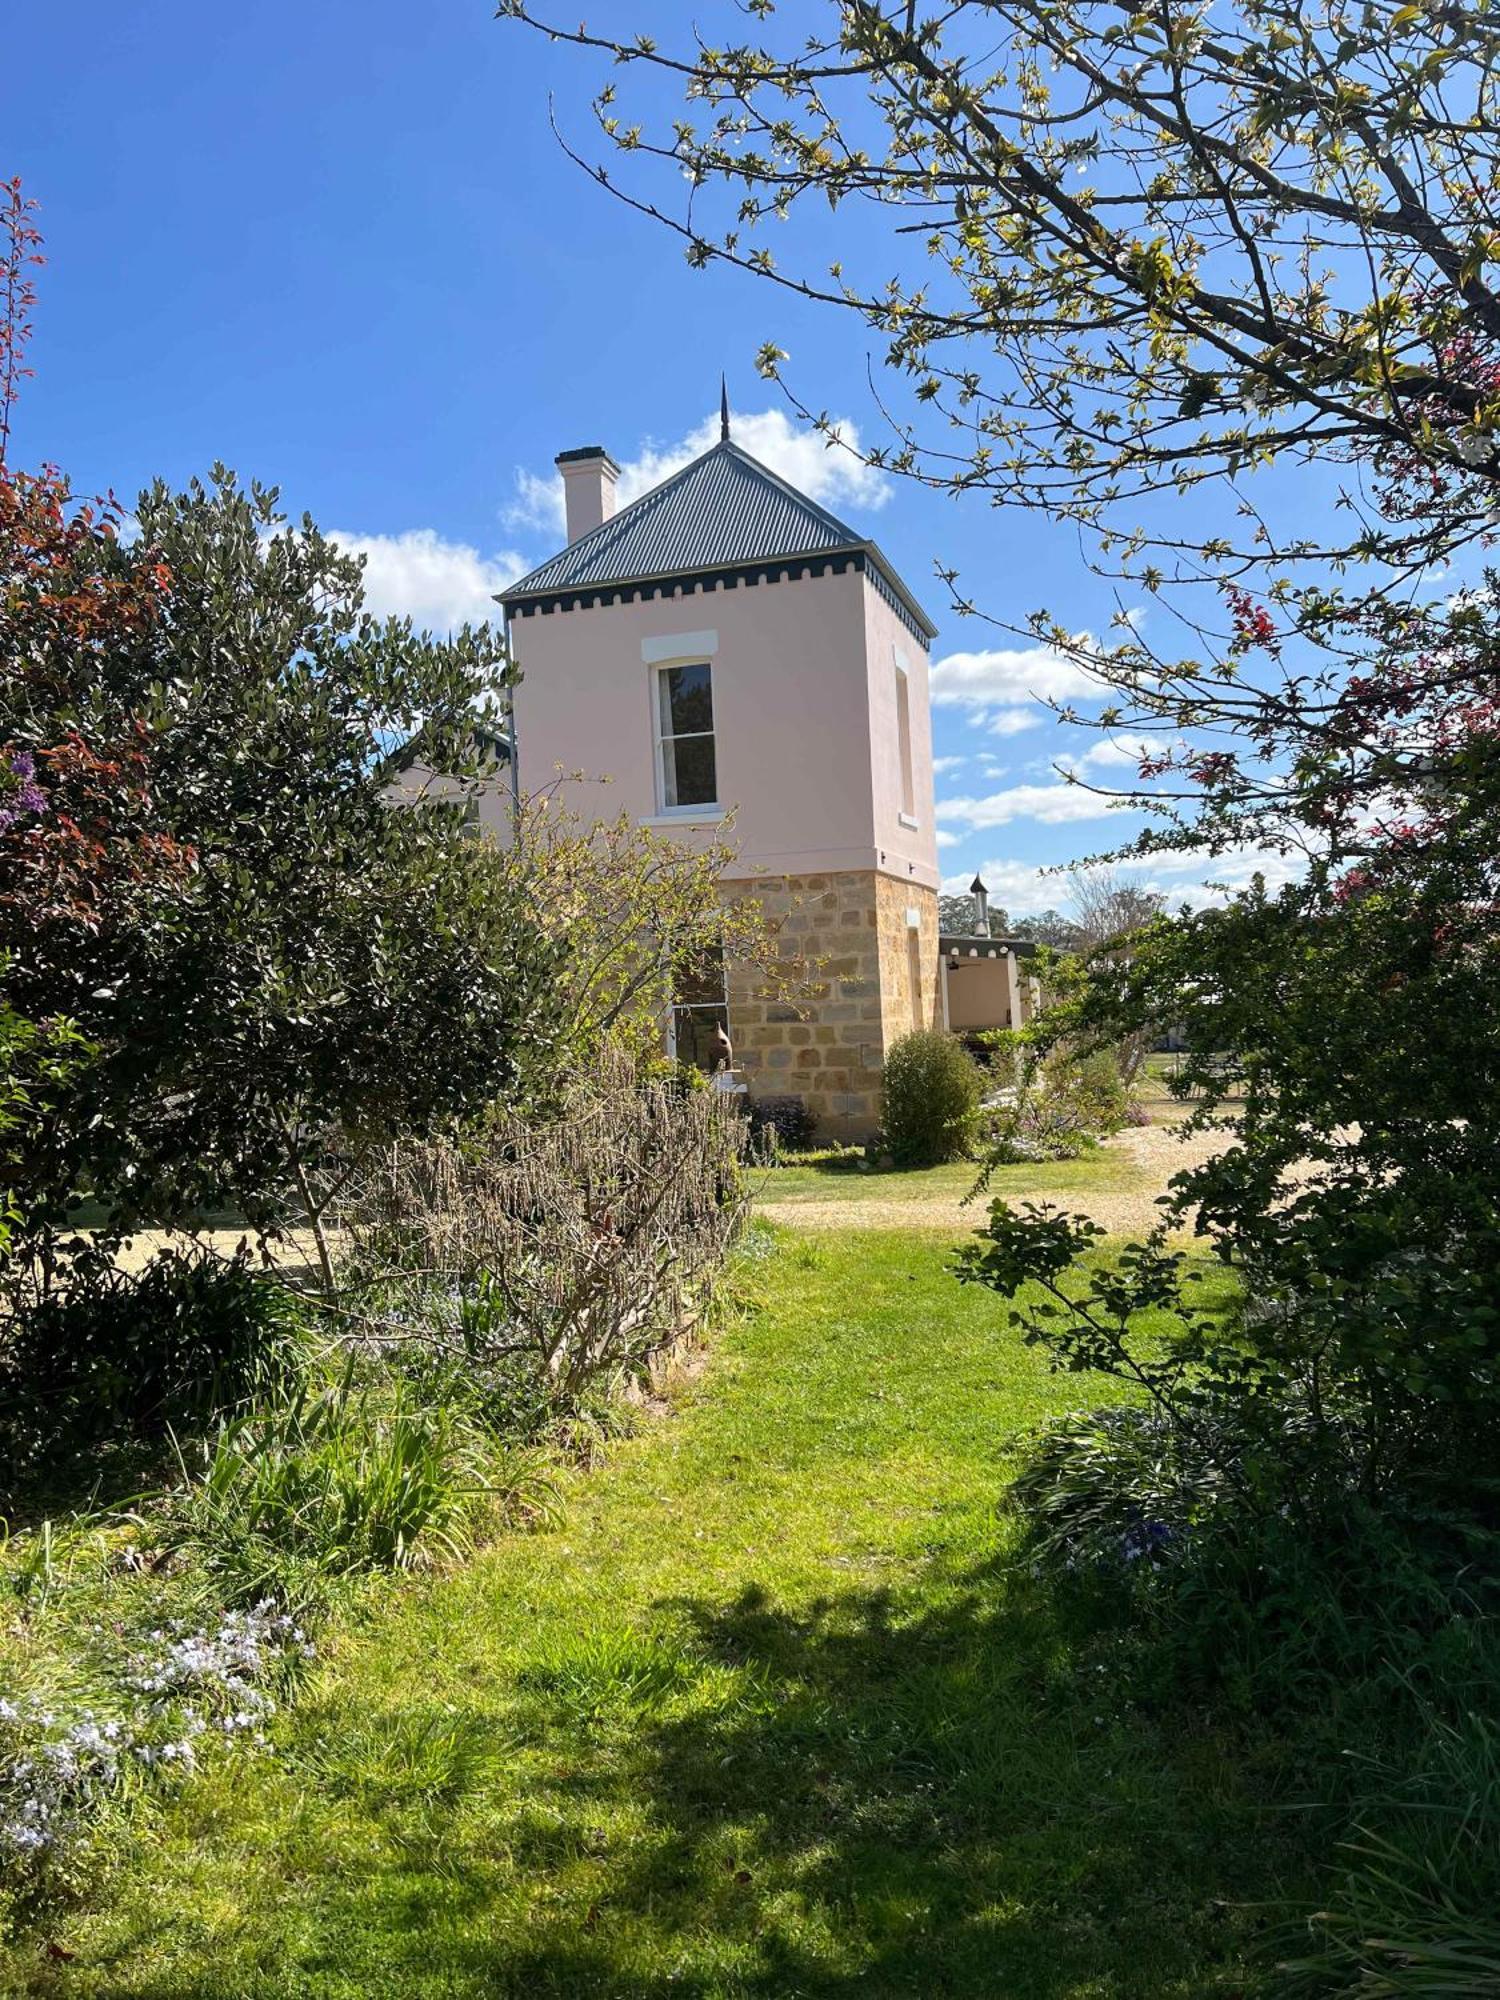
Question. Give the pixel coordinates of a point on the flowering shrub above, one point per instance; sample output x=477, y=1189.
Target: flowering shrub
x=59, y=1762
x=1018, y=1128
x=20, y=794
x=1057, y=1108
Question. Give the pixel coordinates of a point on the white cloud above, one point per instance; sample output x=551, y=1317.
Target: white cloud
x=1010, y=674
x=1011, y=721
x=1116, y=752
x=942, y=764
x=825, y=472
x=436, y=583
x=1051, y=804
x=946, y=839
x=1014, y=885
x=1185, y=877
x=1021, y=887
x=538, y=502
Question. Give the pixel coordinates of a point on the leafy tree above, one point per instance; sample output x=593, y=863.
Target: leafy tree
x=256, y=962
x=1048, y=927
x=634, y=914
x=956, y=916
x=36, y=1061
x=1131, y=257
x=1202, y=241
x=199, y=867
x=83, y=853
x=1111, y=912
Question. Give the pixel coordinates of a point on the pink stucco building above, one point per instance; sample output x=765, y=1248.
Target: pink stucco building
x=724, y=644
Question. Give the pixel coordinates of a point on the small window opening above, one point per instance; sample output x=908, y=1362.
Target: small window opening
x=903, y=738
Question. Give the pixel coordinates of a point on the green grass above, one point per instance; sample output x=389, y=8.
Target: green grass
x=1101, y=1172
x=766, y=1712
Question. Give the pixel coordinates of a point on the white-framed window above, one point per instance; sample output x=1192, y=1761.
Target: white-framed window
x=903, y=744
x=700, y=1010
x=686, y=764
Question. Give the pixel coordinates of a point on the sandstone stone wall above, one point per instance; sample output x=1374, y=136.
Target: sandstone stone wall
x=908, y=978
x=828, y=1043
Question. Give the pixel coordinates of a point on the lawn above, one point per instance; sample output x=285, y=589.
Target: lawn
x=766, y=1711
x=1098, y=1171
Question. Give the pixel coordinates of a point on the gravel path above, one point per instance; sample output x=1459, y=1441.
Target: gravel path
x=1156, y=1152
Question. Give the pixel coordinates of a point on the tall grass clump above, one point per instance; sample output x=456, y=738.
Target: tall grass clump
x=335, y=1482
x=1413, y=1907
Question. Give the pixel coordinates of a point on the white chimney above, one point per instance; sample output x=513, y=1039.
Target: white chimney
x=981, y=897
x=588, y=476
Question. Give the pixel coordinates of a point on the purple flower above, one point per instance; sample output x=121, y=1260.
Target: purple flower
x=32, y=799
x=1146, y=1538
x=22, y=765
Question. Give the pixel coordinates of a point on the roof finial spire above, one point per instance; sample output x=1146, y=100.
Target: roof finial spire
x=723, y=409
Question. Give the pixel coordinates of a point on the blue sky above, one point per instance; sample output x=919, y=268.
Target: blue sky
x=337, y=246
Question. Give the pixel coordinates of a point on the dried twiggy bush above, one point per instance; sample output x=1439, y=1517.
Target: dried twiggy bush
x=596, y=1237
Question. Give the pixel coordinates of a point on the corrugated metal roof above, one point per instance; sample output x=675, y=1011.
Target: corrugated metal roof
x=724, y=510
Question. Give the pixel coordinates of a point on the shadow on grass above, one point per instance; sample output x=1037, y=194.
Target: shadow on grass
x=833, y=1801
x=72, y=1489
x=942, y=1804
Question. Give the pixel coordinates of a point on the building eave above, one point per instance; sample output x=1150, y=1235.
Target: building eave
x=983, y=947
x=862, y=555
x=892, y=575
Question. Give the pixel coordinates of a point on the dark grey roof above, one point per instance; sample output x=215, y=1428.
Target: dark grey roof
x=725, y=511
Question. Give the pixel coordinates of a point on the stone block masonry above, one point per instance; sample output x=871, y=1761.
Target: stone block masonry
x=865, y=977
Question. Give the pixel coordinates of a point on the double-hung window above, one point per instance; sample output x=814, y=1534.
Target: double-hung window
x=685, y=762
x=700, y=1006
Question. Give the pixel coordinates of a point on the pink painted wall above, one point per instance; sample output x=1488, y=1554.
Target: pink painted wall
x=909, y=851
x=804, y=718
